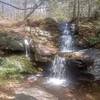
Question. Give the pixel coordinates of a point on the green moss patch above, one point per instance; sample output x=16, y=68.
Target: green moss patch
x=15, y=66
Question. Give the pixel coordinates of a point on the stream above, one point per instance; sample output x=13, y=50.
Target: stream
x=58, y=69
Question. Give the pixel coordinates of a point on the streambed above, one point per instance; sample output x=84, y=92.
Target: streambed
x=41, y=91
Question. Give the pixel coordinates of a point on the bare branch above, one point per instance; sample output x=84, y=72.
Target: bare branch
x=34, y=8
x=16, y=6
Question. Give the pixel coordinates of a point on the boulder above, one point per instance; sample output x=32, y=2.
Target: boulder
x=44, y=37
x=78, y=55
x=95, y=54
x=10, y=40
x=88, y=35
x=80, y=59
x=78, y=65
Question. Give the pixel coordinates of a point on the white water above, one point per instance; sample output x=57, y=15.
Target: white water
x=58, y=70
x=27, y=47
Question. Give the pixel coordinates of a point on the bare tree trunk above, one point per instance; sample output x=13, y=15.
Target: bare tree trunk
x=89, y=8
x=32, y=11
x=78, y=17
x=25, y=6
x=74, y=10
x=2, y=10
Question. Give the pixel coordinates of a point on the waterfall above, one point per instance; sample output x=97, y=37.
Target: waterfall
x=66, y=40
x=58, y=70
x=27, y=47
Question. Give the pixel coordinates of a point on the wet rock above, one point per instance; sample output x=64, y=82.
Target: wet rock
x=86, y=66
x=95, y=54
x=79, y=59
x=78, y=55
x=24, y=97
x=36, y=93
x=78, y=65
x=79, y=70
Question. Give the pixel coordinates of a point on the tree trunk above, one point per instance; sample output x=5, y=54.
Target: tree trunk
x=74, y=10
x=89, y=8
x=25, y=6
x=77, y=18
x=2, y=10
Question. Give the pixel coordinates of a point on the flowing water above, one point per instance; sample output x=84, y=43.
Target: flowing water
x=27, y=47
x=58, y=70
x=66, y=39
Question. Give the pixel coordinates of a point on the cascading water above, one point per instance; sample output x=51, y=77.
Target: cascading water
x=27, y=47
x=66, y=39
x=58, y=70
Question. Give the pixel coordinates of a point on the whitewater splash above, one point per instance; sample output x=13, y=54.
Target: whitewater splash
x=58, y=70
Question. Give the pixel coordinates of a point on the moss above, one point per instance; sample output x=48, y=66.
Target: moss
x=94, y=40
x=14, y=66
x=89, y=33
x=9, y=40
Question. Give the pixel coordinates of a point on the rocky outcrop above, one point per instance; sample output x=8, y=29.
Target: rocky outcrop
x=78, y=65
x=95, y=54
x=89, y=34
x=42, y=35
x=84, y=64
x=74, y=55
x=80, y=58
x=45, y=38
x=10, y=40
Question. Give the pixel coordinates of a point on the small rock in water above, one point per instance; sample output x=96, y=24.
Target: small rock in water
x=39, y=75
x=24, y=97
x=32, y=78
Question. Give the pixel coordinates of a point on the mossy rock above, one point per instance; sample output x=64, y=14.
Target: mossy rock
x=15, y=65
x=11, y=41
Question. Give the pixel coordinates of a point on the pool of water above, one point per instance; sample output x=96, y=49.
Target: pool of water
x=73, y=91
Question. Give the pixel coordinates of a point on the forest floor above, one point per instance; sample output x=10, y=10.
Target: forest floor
x=8, y=88
x=36, y=90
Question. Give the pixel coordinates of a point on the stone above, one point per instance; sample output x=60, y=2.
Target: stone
x=43, y=33
x=88, y=35
x=11, y=41
x=44, y=38
x=78, y=55
x=24, y=97
x=34, y=93
x=95, y=54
